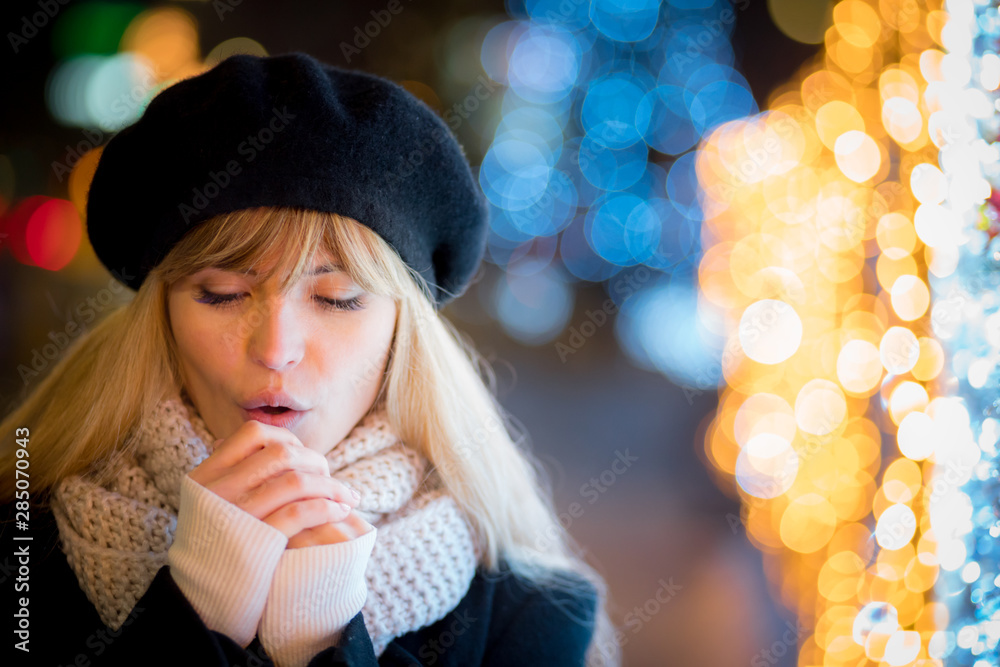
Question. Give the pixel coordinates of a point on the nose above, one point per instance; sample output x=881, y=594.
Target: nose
x=276, y=334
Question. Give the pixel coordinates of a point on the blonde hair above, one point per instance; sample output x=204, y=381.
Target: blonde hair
x=437, y=392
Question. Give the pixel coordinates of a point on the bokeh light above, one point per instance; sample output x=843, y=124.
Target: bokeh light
x=604, y=103
x=846, y=216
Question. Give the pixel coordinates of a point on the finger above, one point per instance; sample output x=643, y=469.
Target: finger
x=331, y=533
x=240, y=482
x=290, y=486
x=327, y=533
x=249, y=438
x=297, y=516
x=276, y=458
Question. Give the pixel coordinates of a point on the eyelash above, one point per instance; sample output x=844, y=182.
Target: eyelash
x=230, y=300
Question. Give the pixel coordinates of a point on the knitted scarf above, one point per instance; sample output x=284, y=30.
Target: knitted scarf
x=116, y=538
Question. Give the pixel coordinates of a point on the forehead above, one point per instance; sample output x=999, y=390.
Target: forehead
x=323, y=263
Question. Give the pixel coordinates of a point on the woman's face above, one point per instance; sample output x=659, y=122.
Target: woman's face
x=320, y=350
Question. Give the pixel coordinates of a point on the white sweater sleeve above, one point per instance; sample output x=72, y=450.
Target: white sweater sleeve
x=315, y=592
x=222, y=559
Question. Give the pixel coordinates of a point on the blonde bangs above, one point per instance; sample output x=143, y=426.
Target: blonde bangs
x=249, y=239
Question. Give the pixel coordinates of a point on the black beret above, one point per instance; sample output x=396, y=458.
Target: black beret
x=288, y=130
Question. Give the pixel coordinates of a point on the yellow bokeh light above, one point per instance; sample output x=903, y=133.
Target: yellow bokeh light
x=897, y=82
x=168, y=38
x=808, y=522
x=847, y=56
x=928, y=184
x=764, y=413
x=889, y=270
x=899, y=350
x=907, y=397
x=915, y=436
x=891, y=564
x=834, y=119
x=841, y=576
x=846, y=224
x=825, y=86
x=857, y=155
x=859, y=367
x=910, y=297
x=770, y=331
x=895, y=235
x=895, y=527
x=857, y=22
x=919, y=576
x=931, y=360
x=80, y=178
x=908, y=474
x=902, y=120
x=902, y=648
x=820, y=407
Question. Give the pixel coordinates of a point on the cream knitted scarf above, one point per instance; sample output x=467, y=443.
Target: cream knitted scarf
x=116, y=538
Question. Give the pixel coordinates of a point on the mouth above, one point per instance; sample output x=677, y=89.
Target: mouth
x=275, y=416
x=274, y=407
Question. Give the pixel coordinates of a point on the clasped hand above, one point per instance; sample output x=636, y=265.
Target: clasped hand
x=267, y=472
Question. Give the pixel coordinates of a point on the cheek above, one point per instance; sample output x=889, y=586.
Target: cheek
x=356, y=359
x=201, y=345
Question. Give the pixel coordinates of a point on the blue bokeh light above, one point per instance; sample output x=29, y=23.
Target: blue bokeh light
x=682, y=187
x=544, y=64
x=659, y=329
x=623, y=229
x=664, y=120
x=720, y=102
x=590, y=172
x=611, y=169
x=625, y=20
x=609, y=111
x=533, y=308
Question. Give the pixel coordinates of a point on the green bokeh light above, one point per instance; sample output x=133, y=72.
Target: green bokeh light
x=93, y=27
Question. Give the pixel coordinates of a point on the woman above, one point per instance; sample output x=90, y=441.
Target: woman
x=279, y=452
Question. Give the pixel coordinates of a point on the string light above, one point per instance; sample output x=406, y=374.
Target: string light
x=825, y=216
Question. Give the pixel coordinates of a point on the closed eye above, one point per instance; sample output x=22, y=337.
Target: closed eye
x=354, y=303
x=231, y=300
x=218, y=300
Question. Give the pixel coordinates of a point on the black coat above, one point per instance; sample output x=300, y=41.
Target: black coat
x=500, y=622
